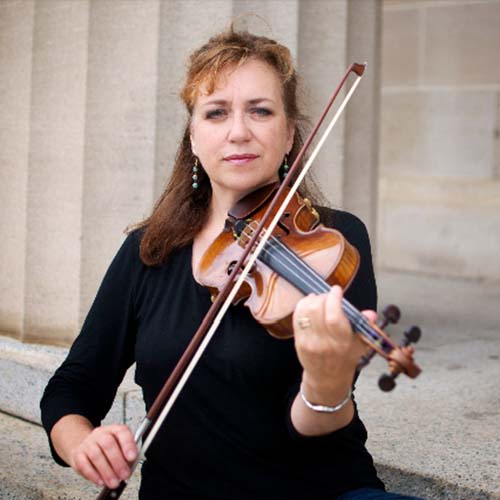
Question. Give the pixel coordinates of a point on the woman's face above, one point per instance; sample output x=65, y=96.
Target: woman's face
x=240, y=132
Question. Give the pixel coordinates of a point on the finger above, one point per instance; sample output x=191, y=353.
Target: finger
x=307, y=311
x=370, y=315
x=99, y=461
x=307, y=305
x=85, y=468
x=340, y=325
x=112, y=451
x=335, y=318
x=126, y=442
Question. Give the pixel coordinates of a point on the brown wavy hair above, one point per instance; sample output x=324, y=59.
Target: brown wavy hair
x=181, y=211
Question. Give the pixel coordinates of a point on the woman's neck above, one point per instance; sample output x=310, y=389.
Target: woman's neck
x=218, y=209
x=221, y=203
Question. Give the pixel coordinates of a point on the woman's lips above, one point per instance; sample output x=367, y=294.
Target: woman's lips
x=240, y=159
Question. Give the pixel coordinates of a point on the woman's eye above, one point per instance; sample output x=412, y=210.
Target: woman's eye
x=215, y=113
x=261, y=111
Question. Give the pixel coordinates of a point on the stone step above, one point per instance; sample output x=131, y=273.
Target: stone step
x=27, y=472
x=25, y=370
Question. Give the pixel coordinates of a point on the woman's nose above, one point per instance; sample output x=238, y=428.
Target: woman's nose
x=239, y=130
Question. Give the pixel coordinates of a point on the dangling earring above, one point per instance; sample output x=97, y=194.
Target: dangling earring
x=195, y=173
x=285, y=167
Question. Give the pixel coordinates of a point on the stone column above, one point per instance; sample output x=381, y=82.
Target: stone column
x=360, y=187
x=332, y=36
x=322, y=62
x=184, y=26
x=53, y=224
x=278, y=19
x=119, y=131
x=16, y=42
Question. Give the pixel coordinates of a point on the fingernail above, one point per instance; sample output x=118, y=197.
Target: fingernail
x=130, y=455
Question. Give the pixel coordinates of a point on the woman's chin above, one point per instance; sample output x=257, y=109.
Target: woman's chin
x=240, y=189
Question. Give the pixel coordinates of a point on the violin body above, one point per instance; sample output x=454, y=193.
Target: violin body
x=271, y=297
x=300, y=256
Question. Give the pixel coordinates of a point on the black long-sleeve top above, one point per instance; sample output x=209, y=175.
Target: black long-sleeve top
x=229, y=435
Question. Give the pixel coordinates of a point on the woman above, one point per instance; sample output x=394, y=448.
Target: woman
x=259, y=417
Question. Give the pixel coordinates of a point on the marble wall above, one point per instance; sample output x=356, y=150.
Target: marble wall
x=439, y=205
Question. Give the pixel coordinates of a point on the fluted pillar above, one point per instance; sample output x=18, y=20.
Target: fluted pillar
x=184, y=26
x=119, y=131
x=332, y=36
x=91, y=121
x=16, y=37
x=53, y=226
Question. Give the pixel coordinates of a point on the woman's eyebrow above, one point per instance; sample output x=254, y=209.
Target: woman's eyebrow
x=258, y=100
x=223, y=102
x=216, y=102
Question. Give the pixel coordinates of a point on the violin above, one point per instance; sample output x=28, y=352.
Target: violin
x=301, y=256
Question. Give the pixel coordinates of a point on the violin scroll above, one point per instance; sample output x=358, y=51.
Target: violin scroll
x=399, y=358
x=387, y=381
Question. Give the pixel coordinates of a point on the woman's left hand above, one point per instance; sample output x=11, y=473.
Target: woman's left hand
x=326, y=346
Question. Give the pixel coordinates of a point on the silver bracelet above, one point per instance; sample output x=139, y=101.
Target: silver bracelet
x=324, y=408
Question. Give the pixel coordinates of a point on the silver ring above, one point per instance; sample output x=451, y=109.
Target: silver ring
x=304, y=322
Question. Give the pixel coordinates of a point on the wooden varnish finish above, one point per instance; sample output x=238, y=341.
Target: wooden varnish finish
x=270, y=298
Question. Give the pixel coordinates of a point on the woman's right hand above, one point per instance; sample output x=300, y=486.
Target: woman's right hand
x=101, y=455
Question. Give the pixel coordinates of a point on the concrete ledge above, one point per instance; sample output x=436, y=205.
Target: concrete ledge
x=28, y=472
x=25, y=370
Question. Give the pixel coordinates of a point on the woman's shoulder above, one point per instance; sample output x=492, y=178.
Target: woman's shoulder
x=363, y=290
x=130, y=246
x=130, y=254
x=127, y=258
x=133, y=239
x=350, y=226
x=345, y=222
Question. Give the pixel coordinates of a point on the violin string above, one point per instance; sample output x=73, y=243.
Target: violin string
x=305, y=273
x=315, y=281
x=310, y=276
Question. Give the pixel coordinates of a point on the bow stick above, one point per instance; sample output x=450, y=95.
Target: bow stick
x=163, y=403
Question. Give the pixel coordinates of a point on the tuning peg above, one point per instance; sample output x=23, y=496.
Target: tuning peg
x=412, y=336
x=386, y=382
x=391, y=314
